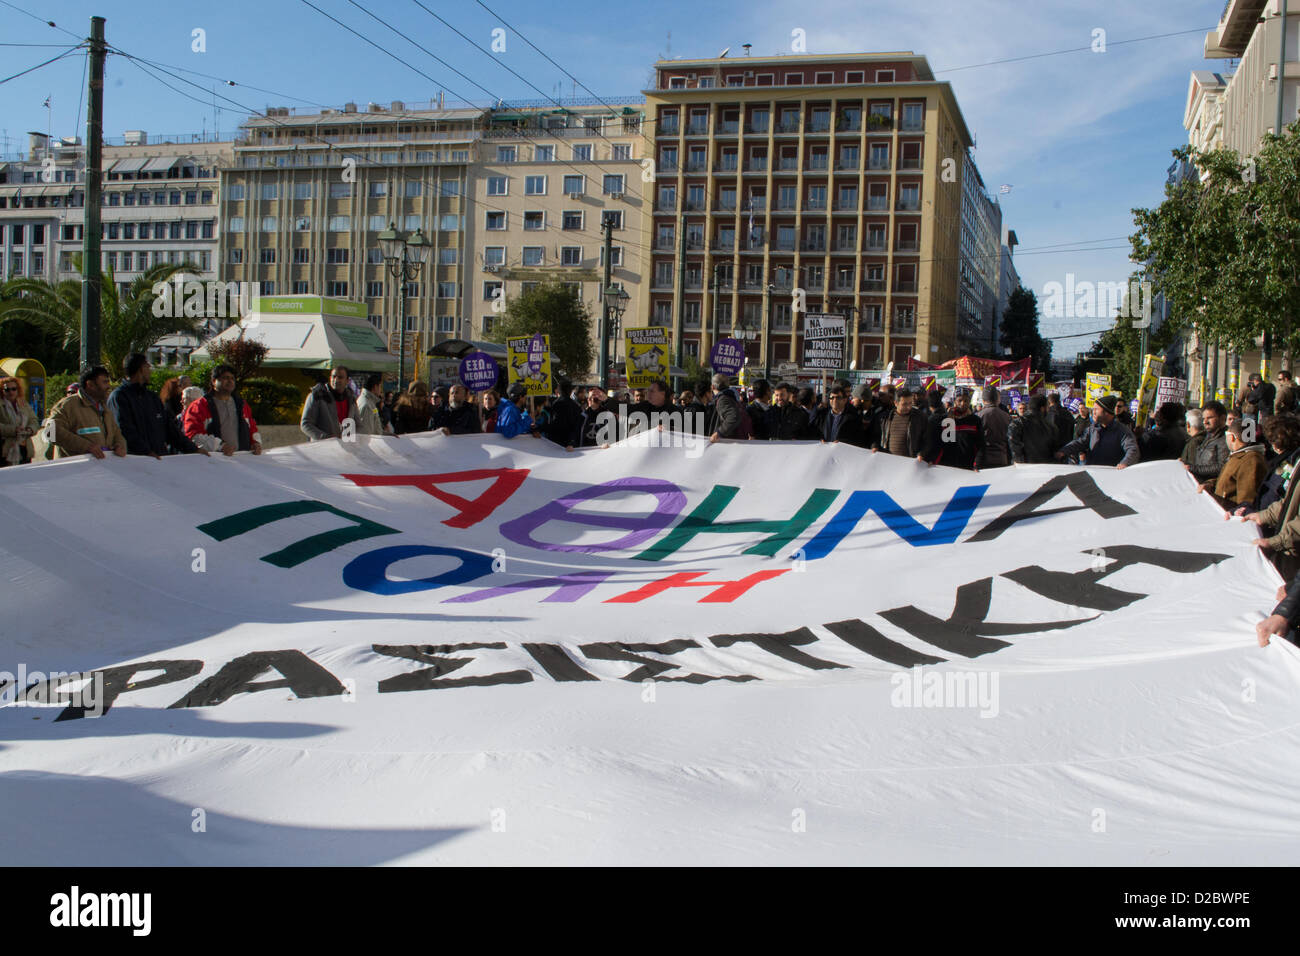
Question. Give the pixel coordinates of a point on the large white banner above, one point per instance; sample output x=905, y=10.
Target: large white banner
x=472, y=650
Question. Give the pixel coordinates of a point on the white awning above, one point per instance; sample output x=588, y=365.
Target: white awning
x=130, y=165
x=159, y=163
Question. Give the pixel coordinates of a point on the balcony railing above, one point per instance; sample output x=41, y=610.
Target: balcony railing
x=848, y=246
x=791, y=165
x=871, y=325
x=843, y=166
x=728, y=129
x=909, y=205
x=785, y=206
x=784, y=245
x=908, y=245
x=878, y=163
x=697, y=129
x=668, y=166
x=694, y=244
x=877, y=122
x=695, y=205
x=814, y=245
x=873, y=285
x=815, y=204
x=841, y=286
x=819, y=126
x=848, y=126
x=666, y=205
x=909, y=163
x=817, y=165
x=697, y=166
x=725, y=245
x=727, y=166
x=846, y=205
x=877, y=245
x=726, y=206
x=756, y=127
x=756, y=166
x=905, y=285
x=788, y=127
x=904, y=327
x=911, y=125
x=878, y=203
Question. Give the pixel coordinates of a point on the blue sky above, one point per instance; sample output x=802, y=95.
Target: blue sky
x=1081, y=137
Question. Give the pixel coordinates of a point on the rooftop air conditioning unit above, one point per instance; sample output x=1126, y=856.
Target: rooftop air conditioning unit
x=349, y=107
x=397, y=106
x=135, y=137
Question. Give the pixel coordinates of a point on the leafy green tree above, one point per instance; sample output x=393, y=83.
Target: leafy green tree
x=128, y=323
x=554, y=309
x=1020, y=329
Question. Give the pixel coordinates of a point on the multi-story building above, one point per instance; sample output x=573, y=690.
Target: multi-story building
x=543, y=182
x=1008, y=282
x=981, y=255
x=308, y=194
x=158, y=205
x=1236, y=111
x=836, y=175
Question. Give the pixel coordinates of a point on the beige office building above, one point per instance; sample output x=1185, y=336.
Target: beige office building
x=544, y=180
x=308, y=194
x=839, y=175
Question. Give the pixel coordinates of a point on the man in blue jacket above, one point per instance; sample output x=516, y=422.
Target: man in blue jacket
x=144, y=423
x=512, y=420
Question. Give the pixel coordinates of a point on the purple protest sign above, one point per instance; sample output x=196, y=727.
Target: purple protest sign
x=536, y=353
x=727, y=357
x=478, y=371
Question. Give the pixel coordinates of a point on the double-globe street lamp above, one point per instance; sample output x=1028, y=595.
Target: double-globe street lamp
x=404, y=255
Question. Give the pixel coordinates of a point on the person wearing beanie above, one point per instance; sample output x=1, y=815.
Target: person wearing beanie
x=1107, y=441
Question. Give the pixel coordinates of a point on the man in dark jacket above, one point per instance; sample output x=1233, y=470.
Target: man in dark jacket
x=841, y=423
x=996, y=422
x=1166, y=440
x=760, y=410
x=1032, y=434
x=141, y=417
x=903, y=427
x=955, y=439
x=1212, y=454
x=727, y=411
x=786, y=420
x=1261, y=394
x=592, y=425
x=328, y=406
x=456, y=415
x=1107, y=441
x=1061, y=418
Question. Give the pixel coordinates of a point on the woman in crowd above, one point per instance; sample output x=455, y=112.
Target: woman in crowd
x=489, y=410
x=17, y=423
x=170, y=394
x=386, y=411
x=411, y=413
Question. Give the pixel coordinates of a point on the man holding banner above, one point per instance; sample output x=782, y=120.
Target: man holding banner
x=1106, y=441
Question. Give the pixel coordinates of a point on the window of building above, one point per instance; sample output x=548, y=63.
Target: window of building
x=411, y=223
x=234, y=192
x=207, y=229
x=616, y=256
x=446, y=290
x=377, y=190
x=450, y=188
x=490, y=290
x=494, y=255
x=544, y=154
x=451, y=223
x=340, y=190
x=236, y=257
x=794, y=79
x=884, y=76
x=855, y=76
x=669, y=121
x=571, y=256
x=337, y=290
x=497, y=186
x=574, y=185
x=506, y=154
x=615, y=219
x=269, y=191
x=571, y=220
x=236, y=224
x=533, y=255
x=268, y=257
x=825, y=77
x=447, y=257
x=300, y=287
x=375, y=256
x=621, y=151
x=340, y=223
x=414, y=188
x=337, y=256
x=303, y=190
x=496, y=220
x=534, y=221
x=613, y=184
x=534, y=185
x=301, y=257
x=582, y=153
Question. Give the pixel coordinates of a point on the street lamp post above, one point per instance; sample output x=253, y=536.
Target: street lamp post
x=615, y=300
x=405, y=257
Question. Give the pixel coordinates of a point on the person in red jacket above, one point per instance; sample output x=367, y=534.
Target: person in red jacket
x=221, y=419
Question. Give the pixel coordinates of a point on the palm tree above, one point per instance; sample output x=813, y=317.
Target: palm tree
x=128, y=322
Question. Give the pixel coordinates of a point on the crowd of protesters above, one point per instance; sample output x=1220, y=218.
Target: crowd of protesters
x=1244, y=457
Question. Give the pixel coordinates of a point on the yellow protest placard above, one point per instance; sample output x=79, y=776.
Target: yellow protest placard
x=529, y=363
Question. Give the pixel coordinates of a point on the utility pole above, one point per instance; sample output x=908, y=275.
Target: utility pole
x=681, y=291
x=91, y=278
x=1266, y=357
x=607, y=227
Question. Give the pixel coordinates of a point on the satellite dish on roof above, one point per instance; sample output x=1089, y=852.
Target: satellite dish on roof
x=725, y=51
